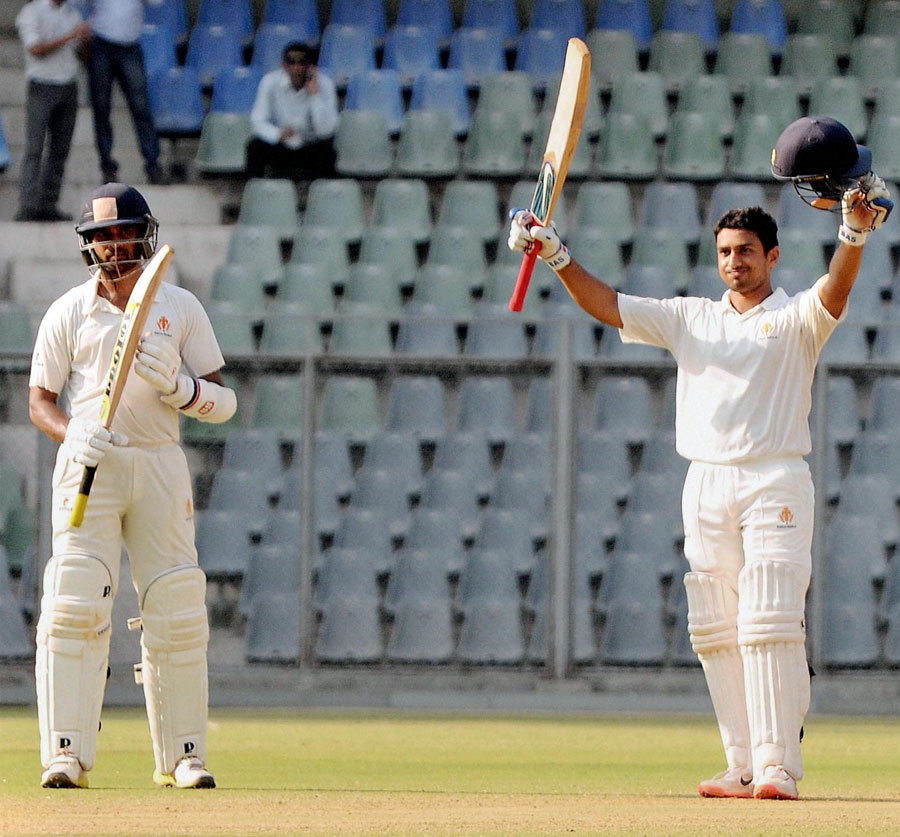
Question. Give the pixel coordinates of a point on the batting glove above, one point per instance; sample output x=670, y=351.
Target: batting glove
x=864, y=209
x=525, y=233
x=87, y=441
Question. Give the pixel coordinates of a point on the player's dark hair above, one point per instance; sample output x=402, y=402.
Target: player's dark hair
x=753, y=218
x=306, y=52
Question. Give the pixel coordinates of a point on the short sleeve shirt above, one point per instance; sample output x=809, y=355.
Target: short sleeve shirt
x=75, y=343
x=744, y=381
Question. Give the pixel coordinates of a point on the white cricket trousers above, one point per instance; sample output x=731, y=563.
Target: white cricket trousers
x=141, y=497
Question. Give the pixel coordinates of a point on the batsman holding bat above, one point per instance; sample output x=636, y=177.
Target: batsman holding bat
x=141, y=497
x=743, y=395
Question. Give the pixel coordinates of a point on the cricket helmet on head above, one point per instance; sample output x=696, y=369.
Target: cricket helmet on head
x=116, y=205
x=820, y=156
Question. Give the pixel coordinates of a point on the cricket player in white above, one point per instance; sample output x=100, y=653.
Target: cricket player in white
x=743, y=394
x=141, y=497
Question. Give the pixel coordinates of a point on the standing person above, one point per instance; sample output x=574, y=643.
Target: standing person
x=743, y=394
x=141, y=496
x=51, y=32
x=294, y=118
x=115, y=54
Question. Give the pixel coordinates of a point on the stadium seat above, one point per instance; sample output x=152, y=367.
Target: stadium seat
x=741, y=58
x=15, y=328
x=493, y=334
x=486, y=405
x=605, y=206
x=158, y=47
x=509, y=92
x=775, y=96
x=829, y=17
x=468, y=452
x=222, y=148
x=234, y=328
x=271, y=38
x=392, y=248
x=729, y=194
x=362, y=329
x=234, y=89
x=443, y=90
x=290, y=331
x=346, y=51
x=362, y=144
x=474, y=204
x=698, y=17
x=654, y=280
x=446, y=286
x=884, y=404
x=672, y=206
x=436, y=14
x=619, y=50
x=230, y=285
x=410, y=51
x=765, y=18
x=363, y=13
x=416, y=404
x=456, y=246
x=624, y=408
x=259, y=248
x=660, y=247
x=237, y=14
x=566, y=16
x=641, y=94
x=884, y=141
x=498, y=287
x=404, y=203
x=270, y=202
x=541, y=53
x=380, y=490
x=808, y=57
x=374, y=286
x=427, y=146
x=793, y=213
x=476, y=53
x=848, y=344
x=633, y=15
x=754, y=138
x=303, y=12
x=350, y=406
x=211, y=49
x=15, y=644
x=500, y=15
x=176, y=102
x=170, y=14
x=224, y=542
x=273, y=628
x=424, y=332
x=421, y=611
x=336, y=204
x=278, y=405
x=882, y=17
x=579, y=165
x=677, y=56
x=694, y=149
x=626, y=150
x=710, y=95
x=319, y=248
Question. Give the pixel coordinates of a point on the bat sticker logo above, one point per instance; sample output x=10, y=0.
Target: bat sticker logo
x=540, y=203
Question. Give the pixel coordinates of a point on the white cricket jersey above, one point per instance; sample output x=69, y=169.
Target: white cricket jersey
x=744, y=381
x=75, y=343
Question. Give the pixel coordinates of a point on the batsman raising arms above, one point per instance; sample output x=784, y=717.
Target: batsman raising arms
x=141, y=497
x=743, y=394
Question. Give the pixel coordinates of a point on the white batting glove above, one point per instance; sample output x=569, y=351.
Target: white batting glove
x=157, y=361
x=525, y=232
x=864, y=209
x=87, y=441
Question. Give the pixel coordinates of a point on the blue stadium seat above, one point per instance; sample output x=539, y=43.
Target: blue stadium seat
x=213, y=48
x=541, y=53
x=697, y=16
x=493, y=14
x=367, y=13
x=304, y=12
x=167, y=13
x=765, y=17
x=176, y=102
x=271, y=39
x=237, y=14
x=158, y=47
x=234, y=89
x=443, y=90
x=378, y=90
x=633, y=15
x=565, y=16
x=672, y=206
x=345, y=51
x=411, y=51
x=436, y=14
x=476, y=53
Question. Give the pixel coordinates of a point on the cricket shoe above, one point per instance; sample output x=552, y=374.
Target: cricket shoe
x=64, y=772
x=188, y=773
x=735, y=782
x=776, y=783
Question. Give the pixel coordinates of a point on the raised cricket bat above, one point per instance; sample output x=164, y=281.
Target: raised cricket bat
x=565, y=128
x=133, y=320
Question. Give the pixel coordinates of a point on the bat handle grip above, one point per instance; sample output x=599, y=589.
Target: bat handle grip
x=518, y=296
x=87, y=480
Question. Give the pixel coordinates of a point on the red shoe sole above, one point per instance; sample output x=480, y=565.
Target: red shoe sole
x=771, y=792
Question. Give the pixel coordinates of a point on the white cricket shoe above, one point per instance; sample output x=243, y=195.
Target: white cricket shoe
x=735, y=782
x=188, y=773
x=776, y=783
x=64, y=772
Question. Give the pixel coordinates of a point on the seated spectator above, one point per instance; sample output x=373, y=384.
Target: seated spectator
x=294, y=118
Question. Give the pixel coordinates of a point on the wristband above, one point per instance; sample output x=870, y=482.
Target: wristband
x=852, y=237
x=202, y=400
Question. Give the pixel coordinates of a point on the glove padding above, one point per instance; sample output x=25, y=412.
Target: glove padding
x=525, y=232
x=157, y=361
x=87, y=441
x=864, y=209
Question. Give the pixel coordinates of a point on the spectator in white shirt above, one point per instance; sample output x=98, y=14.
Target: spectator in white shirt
x=51, y=32
x=294, y=117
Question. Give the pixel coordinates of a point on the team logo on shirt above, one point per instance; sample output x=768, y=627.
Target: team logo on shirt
x=162, y=325
x=786, y=516
x=768, y=331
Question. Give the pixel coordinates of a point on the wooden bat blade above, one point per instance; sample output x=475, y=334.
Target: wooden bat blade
x=134, y=318
x=565, y=130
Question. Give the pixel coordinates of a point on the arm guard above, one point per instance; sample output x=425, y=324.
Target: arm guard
x=203, y=400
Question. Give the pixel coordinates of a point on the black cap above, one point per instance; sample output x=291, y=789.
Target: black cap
x=111, y=205
x=817, y=146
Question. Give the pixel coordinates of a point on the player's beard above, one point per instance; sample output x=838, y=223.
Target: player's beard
x=116, y=268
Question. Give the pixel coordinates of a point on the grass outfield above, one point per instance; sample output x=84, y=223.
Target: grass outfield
x=328, y=773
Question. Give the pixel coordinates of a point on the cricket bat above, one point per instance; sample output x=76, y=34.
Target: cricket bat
x=565, y=128
x=133, y=320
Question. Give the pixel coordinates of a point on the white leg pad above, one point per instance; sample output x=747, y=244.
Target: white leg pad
x=173, y=653
x=771, y=633
x=712, y=624
x=72, y=652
